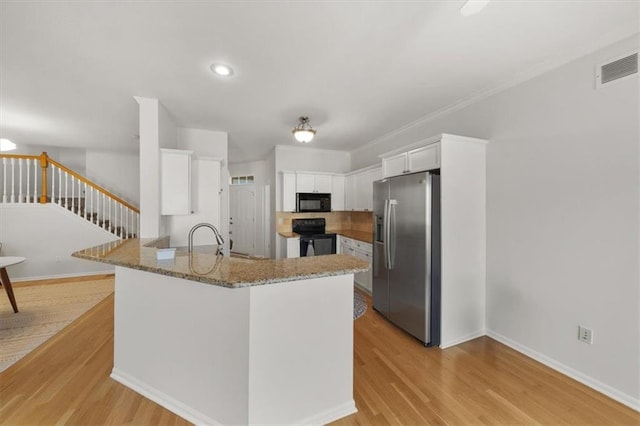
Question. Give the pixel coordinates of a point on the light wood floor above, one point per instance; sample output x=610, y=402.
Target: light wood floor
x=397, y=381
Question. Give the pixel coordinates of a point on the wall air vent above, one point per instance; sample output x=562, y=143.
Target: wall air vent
x=620, y=68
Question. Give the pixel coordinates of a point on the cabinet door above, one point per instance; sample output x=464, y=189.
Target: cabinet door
x=175, y=182
x=424, y=158
x=293, y=247
x=288, y=192
x=324, y=184
x=305, y=182
x=350, y=192
x=370, y=177
x=361, y=191
x=363, y=278
x=337, y=193
x=395, y=166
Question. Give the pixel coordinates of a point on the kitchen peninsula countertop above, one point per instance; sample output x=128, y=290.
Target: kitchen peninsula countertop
x=204, y=266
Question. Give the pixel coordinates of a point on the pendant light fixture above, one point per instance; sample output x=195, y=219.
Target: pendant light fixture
x=303, y=132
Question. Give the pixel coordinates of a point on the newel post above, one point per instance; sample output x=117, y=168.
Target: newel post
x=44, y=163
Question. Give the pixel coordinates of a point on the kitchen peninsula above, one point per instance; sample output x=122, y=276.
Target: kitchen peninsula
x=221, y=340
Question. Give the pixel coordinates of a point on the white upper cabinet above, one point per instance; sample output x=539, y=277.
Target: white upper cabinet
x=359, y=189
x=350, y=192
x=305, y=182
x=309, y=182
x=288, y=192
x=337, y=192
x=322, y=183
x=175, y=182
x=413, y=160
x=424, y=158
x=395, y=165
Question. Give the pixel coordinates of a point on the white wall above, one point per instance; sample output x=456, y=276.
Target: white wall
x=117, y=172
x=46, y=235
x=257, y=169
x=157, y=130
x=73, y=158
x=562, y=217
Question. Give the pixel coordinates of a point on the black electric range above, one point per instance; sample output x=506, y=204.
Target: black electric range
x=313, y=239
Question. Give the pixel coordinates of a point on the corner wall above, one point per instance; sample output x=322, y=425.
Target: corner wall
x=46, y=235
x=157, y=130
x=563, y=217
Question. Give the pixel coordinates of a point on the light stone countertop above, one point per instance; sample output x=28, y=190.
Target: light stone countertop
x=204, y=266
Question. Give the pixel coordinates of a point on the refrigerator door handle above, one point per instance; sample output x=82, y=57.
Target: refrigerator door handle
x=392, y=233
x=385, y=224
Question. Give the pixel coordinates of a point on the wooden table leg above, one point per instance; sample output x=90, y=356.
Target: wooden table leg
x=7, y=287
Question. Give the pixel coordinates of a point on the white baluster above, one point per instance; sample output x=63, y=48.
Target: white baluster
x=4, y=179
x=53, y=183
x=99, y=215
x=104, y=209
x=84, y=199
x=27, y=197
x=20, y=180
x=35, y=180
x=121, y=221
x=66, y=190
x=13, y=178
x=59, y=186
x=73, y=194
x=91, y=203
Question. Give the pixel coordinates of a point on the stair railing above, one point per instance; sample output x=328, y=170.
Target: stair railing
x=62, y=186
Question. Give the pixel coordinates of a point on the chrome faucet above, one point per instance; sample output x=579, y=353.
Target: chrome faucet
x=219, y=238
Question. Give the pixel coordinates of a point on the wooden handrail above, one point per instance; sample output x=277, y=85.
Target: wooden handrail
x=33, y=157
x=93, y=185
x=45, y=160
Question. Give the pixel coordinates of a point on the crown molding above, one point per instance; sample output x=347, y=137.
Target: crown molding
x=549, y=65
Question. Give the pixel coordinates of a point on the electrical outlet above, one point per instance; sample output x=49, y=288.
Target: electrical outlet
x=585, y=334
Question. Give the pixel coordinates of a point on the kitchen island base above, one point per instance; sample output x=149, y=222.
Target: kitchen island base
x=280, y=353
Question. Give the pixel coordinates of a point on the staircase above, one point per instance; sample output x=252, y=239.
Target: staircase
x=32, y=179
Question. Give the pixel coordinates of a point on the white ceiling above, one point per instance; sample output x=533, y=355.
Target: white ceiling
x=358, y=69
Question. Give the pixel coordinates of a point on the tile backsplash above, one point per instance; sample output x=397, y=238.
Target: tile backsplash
x=342, y=220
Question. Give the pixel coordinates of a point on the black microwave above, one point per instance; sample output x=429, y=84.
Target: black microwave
x=312, y=202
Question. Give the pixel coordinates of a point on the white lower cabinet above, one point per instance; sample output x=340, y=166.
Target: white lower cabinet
x=362, y=251
x=289, y=247
x=293, y=247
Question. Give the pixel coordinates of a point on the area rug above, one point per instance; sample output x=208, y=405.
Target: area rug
x=44, y=311
x=359, y=305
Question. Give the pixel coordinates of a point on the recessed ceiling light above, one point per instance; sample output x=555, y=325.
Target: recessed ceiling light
x=7, y=145
x=471, y=7
x=222, y=70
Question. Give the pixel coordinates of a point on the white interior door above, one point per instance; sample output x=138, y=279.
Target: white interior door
x=242, y=222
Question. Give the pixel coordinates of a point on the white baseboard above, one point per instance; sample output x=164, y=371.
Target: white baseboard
x=73, y=275
x=331, y=415
x=163, y=399
x=603, y=388
x=198, y=418
x=465, y=338
x=362, y=288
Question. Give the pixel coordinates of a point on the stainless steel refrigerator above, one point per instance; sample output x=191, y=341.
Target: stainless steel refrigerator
x=406, y=253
